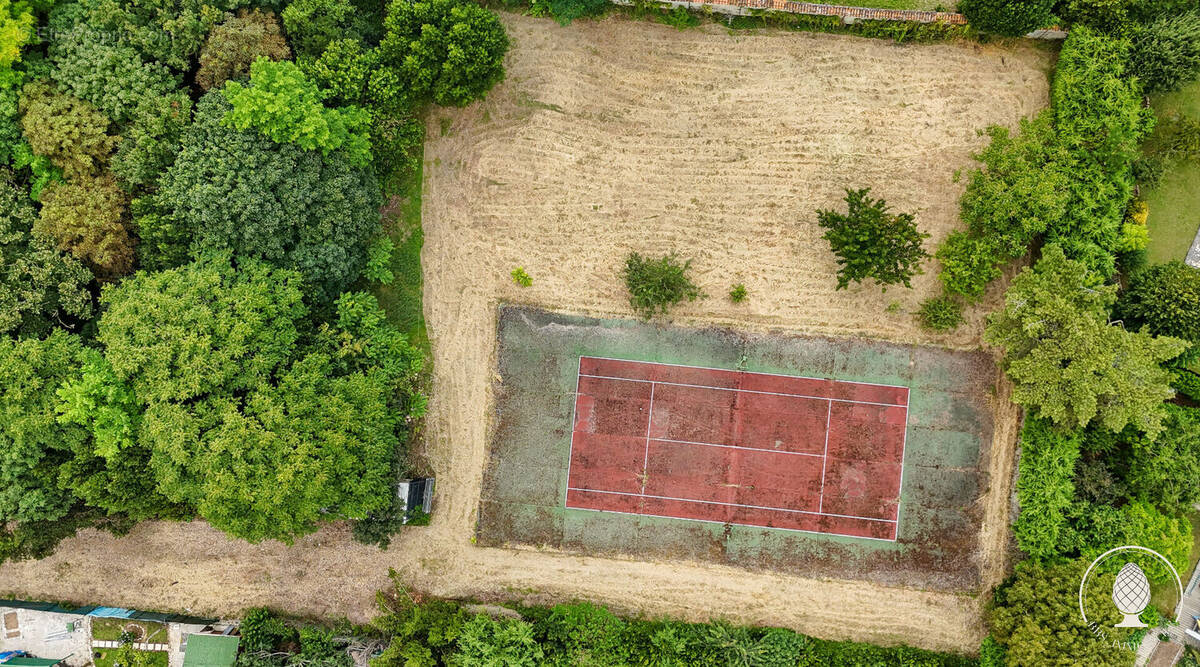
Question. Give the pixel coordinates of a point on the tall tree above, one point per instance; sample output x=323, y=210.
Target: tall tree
x=1067, y=362
x=871, y=242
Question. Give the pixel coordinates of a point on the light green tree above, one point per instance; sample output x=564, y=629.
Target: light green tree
x=1067, y=362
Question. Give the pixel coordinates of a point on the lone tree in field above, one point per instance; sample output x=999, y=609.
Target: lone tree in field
x=657, y=284
x=870, y=242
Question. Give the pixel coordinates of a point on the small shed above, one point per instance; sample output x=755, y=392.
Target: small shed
x=417, y=494
x=210, y=650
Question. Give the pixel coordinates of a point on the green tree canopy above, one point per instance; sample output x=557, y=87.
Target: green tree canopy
x=40, y=287
x=1165, y=299
x=32, y=441
x=450, y=51
x=1044, y=486
x=88, y=217
x=1013, y=18
x=282, y=104
x=1067, y=362
x=291, y=207
x=69, y=131
x=870, y=242
x=1164, y=470
x=1166, y=52
x=236, y=43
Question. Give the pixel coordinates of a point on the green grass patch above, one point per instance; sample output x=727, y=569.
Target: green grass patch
x=147, y=658
x=402, y=221
x=110, y=629
x=1173, y=204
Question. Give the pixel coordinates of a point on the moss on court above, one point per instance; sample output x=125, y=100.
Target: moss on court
x=950, y=428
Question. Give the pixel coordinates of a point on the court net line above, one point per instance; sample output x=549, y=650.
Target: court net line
x=748, y=391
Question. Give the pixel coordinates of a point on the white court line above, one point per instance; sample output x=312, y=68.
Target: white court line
x=722, y=523
x=746, y=391
x=825, y=456
x=900, y=491
x=646, y=459
x=717, y=502
x=571, y=442
x=749, y=449
x=729, y=370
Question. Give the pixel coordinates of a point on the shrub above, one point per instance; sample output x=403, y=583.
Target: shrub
x=450, y=51
x=262, y=630
x=282, y=104
x=485, y=641
x=1166, y=53
x=738, y=293
x=236, y=43
x=565, y=11
x=1186, y=383
x=870, y=242
x=1008, y=17
x=1165, y=300
x=313, y=24
x=379, y=261
x=1044, y=486
x=656, y=285
x=941, y=313
x=520, y=277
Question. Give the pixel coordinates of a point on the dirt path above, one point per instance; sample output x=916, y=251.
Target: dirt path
x=609, y=137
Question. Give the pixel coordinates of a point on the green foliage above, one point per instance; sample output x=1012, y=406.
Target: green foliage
x=872, y=243
x=99, y=400
x=16, y=31
x=421, y=634
x=40, y=287
x=738, y=293
x=1164, y=470
x=1045, y=487
x=170, y=32
x=991, y=653
x=1064, y=358
x=42, y=171
x=1008, y=17
x=1036, y=619
x=379, y=261
x=110, y=75
x=1166, y=53
x=69, y=131
x=450, y=51
x=583, y=634
x=88, y=218
x=486, y=642
x=940, y=313
x=565, y=11
x=1186, y=383
x=264, y=438
x=1164, y=300
x=656, y=285
x=236, y=43
x=1016, y=194
x=282, y=104
x=520, y=277
x=32, y=441
x=313, y=24
x=150, y=141
x=295, y=209
x=262, y=630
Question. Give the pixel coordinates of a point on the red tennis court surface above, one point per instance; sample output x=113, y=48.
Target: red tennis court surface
x=726, y=446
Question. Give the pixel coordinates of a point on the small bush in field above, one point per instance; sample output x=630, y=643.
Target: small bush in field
x=738, y=294
x=871, y=242
x=657, y=284
x=940, y=313
x=520, y=277
x=379, y=261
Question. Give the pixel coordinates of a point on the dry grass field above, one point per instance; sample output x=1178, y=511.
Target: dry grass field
x=608, y=137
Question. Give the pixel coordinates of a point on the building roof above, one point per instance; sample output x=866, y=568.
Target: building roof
x=32, y=662
x=210, y=650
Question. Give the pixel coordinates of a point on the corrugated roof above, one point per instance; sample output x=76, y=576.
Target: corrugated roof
x=210, y=650
x=31, y=662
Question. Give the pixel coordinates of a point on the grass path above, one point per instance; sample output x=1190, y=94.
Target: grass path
x=1173, y=204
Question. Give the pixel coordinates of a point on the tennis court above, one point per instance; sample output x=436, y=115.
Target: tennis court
x=723, y=446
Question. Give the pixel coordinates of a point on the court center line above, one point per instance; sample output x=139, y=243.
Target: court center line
x=825, y=456
x=729, y=370
x=749, y=449
x=748, y=391
x=734, y=523
x=717, y=502
x=646, y=459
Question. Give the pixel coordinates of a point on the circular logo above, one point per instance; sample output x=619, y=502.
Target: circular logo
x=1131, y=589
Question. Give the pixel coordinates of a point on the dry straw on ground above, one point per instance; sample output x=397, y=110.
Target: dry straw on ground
x=608, y=137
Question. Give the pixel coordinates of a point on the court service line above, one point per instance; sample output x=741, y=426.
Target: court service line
x=730, y=370
x=571, y=440
x=734, y=523
x=646, y=459
x=748, y=391
x=717, y=502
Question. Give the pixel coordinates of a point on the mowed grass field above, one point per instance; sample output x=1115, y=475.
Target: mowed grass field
x=1175, y=203
x=606, y=137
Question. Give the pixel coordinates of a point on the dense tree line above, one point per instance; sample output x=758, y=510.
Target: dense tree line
x=185, y=218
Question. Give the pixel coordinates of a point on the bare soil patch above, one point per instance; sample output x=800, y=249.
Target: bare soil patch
x=609, y=137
